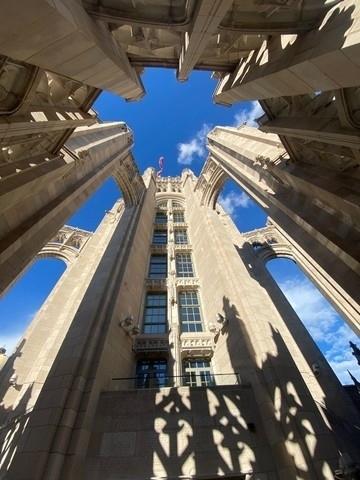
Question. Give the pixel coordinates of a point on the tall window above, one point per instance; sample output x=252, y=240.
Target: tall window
x=159, y=237
x=189, y=312
x=161, y=218
x=179, y=217
x=198, y=373
x=155, y=314
x=181, y=237
x=151, y=373
x=184, y=266
x=158, y=266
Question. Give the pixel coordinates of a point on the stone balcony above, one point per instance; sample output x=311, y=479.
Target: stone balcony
x=158, y=248
x=197, y=344
x=156, y=283
x=151, y=343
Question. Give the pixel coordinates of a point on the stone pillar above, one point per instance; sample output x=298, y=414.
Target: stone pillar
x=323, y=59
x=37, y=350
x=174, y=327
x=71, y=44
x=36, y=203
x=303, y=209
x=260, y=346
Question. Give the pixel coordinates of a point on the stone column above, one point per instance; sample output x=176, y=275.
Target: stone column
x=302, y=208
x=323, y=59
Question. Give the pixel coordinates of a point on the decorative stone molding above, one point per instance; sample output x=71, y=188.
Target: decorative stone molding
x=158, y=248
x=180, y=225
x=66, y=245
x=150, y=343
x=156, y=283
x=182, y=246
x=186, y=282
x=201, y=344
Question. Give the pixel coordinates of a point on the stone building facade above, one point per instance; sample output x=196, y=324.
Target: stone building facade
x=279, y=412
x=166, y=350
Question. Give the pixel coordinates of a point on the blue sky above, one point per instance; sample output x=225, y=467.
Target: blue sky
x=172, y=120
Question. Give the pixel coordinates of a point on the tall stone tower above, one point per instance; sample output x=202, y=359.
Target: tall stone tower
x=167, y=351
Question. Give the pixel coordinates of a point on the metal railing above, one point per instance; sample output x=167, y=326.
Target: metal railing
x=161, y=380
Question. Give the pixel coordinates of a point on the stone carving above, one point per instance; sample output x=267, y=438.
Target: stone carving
x=128, y=325
x=219, y=324
x=197, y=344
x=156, y=283
x=143, y=343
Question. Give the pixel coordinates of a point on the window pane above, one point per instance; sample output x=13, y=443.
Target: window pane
x=158, y=266
x=159, y=237
x=155, y=313
x=184, y=267
x=179, y=217
x=181, y=237
x=151, y=373
x=197, y=373
x=160, y=217
x=189, y=312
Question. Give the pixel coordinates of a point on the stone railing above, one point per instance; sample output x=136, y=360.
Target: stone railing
x=158, y=248
x=150, y=343
x=155, y=283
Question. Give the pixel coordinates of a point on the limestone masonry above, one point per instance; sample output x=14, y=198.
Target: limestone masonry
x=166, y=350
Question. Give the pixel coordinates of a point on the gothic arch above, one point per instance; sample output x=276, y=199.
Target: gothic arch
x=66, y=245
x=129, y=180
x=210, y=183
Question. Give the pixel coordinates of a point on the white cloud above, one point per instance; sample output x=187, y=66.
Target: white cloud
x=324, y=324
x=249, y=116
x=233, y=200
x=194, y=148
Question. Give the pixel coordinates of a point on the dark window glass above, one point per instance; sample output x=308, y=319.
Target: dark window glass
x=158, y=266
x=161, y=218
x=159, y=237
x=151, y=373
x=189, y=312
x=184, y=267
x=155, y=314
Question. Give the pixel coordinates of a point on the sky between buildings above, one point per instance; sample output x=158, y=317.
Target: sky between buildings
x=172, y=120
